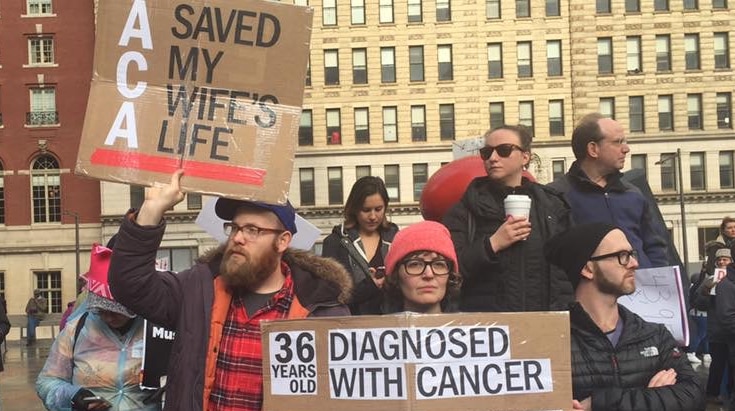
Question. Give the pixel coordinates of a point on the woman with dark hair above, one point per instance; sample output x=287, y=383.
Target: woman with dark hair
x=361, y=242
x=421, y=268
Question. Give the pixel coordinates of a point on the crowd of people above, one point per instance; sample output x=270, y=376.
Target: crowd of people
x=575, y=246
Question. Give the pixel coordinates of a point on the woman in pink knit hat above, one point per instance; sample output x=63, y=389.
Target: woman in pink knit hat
x=422, y=271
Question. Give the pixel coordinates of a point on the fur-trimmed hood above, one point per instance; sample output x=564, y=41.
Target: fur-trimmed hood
x=307, y=268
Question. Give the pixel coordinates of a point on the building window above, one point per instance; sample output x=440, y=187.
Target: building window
x=635, y=114
x=705, y=235
x=418, y=123
x=306, y=129
x=43, y=107
x=691, y=51
x=696, y=171
x=727, y=172
x=420, y=177
x=308, y=72
x=193, y=201
x=604, y=56
x=694, y=111
x=553, y=58
x=665, y=113
x=446, y=121
x=558, y=168
x=416, y=62
x=2, y=195
x=661, y=5
x=36, y=7
x=334, y=185
x=719, y=4
x=638, y=162
x=556, y=117
x=137, y=196
x=390, y=124
x=495, y=60
x=40, y=51
x=553, y=9
x=525, y=115
x=386, y=11
x=492, y=9
x=444, y=56
x=525, y=62
x=633, y=60
x=724, y=110
x=363, y=171
x=392, y=182
x=176, y=259
x=49, y=283
x=722, y=50
x=668, y=171
x=362, y=126
x=497, y=115
x=329, y=12
x=607, y=107
x=632, y=6
x=663, y=52
x=691, y=5
x=46, y=187
x=359, y=66
x=387, y=64
x=331, y=67
x=523, y=8
x=334, y=126
x=2, y=291
x=306, y=186
x=443, y=10
x=603, y=7
x=414, y=11
x=357, y=11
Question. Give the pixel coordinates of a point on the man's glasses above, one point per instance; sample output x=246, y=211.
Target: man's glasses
x=504, y=150
x=249, y=231
x=417, y=266
x=623, y=256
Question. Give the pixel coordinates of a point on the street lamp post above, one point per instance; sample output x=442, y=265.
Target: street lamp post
x=76, y=239
x=681, y=204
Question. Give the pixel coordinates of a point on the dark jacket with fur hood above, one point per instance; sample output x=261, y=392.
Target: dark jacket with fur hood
x=183, y=301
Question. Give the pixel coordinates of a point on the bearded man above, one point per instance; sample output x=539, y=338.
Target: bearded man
x=216, y=306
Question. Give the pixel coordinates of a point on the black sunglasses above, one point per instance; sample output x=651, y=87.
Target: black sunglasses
x=503, y=150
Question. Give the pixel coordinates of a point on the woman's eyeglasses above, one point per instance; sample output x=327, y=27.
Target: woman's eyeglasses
x=417, y=266
x=504, y=150
x=623, y=256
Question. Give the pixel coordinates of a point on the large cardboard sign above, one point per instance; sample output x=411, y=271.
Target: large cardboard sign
x=157, y=345
x=468, y=361
x=214, y=87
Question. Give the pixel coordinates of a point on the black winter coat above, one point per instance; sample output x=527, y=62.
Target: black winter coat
x=617, y=377
x=518, y=278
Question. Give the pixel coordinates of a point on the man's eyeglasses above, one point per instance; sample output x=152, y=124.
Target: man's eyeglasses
x=417, y=266
x=249, y=231
x=623, y=256
x=504, y=150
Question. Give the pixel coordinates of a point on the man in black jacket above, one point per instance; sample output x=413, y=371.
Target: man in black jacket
x=725, y=313
x=619, y=361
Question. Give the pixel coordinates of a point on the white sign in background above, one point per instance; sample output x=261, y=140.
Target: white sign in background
x=293, y=363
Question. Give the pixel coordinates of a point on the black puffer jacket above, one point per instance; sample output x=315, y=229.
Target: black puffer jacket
x=617, y=377
x=518, y=278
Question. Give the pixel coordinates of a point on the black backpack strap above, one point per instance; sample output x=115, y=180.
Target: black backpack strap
x=77, y=331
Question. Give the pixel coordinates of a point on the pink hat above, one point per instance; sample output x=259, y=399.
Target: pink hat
x=423, y=236
x=99, y=289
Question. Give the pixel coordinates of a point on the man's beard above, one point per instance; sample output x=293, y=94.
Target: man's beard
x=251, y=272
x=605, y=286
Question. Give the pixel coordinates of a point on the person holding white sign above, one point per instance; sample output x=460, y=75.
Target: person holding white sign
x=619, y=361
x=422, y=271
x=216, y=306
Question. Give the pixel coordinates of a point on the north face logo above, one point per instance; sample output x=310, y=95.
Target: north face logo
x=650, y=352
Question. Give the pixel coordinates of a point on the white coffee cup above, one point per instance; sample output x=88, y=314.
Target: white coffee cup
x=517, y=205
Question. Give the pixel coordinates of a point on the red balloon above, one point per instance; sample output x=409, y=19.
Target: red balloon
x=447, y=186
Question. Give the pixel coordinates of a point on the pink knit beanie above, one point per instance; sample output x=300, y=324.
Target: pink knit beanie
x=423, y=236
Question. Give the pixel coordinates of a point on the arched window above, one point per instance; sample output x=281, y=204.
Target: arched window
x=2, y=194
x=46, y=189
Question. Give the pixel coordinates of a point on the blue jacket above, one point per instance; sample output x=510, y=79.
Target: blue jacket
x=619, y=203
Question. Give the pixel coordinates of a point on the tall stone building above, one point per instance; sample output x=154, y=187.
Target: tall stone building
x=46, y=49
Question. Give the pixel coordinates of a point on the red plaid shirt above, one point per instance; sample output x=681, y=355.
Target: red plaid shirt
x=238, y=379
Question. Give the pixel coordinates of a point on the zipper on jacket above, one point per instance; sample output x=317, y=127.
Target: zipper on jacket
x=609, y=208
x=616, y=368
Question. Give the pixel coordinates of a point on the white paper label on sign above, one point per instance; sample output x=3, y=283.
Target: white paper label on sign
x=293, y=363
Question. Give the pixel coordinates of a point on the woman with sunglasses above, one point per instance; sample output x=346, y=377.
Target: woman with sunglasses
x=421, y=269
x=361, y=242
x=501, y=256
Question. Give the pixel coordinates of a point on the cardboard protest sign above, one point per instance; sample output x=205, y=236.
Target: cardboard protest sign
x=468, y=361
x=212, y=87
x=659, y=298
